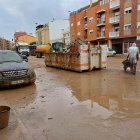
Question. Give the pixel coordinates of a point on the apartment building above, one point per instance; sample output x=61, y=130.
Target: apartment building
x=129, y=23
x=27, y=39
x=18, y=34
x=112, y=22
x=114, y=30
x=5, y=44
x=56, y=28
x=124, y=24
x=91, y=23
x=53, y=32
x=42, y=34
x=24, y=37
x=66, y=36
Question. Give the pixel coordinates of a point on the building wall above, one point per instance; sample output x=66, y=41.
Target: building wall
x=80, y=28
x=26, y=39
x=128, y=18
x=138, y=15
x=92, y=24
x=18, y=34
x=79, y=31
x=56, y=28
x=132, y=18
x=106, y=8
x=125, y=37
x=43, y=35
x=73, y=29
x=66, y=37
x=5, y=44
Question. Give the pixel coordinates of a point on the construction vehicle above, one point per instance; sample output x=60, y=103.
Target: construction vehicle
x=42, y=49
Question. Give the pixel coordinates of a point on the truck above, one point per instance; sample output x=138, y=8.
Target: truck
x=22, y=48
x=80, y=57
x=42, y=49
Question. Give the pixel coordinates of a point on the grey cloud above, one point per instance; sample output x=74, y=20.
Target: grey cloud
x=21, y=15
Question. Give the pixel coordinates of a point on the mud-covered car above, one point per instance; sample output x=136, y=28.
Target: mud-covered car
x=14, y=70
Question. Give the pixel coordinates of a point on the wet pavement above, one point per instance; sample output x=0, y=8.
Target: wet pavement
x=66, y=105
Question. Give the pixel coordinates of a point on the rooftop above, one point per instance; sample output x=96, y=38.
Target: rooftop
x=84, y=8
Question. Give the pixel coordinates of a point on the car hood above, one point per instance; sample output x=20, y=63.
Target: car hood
x=9, y=66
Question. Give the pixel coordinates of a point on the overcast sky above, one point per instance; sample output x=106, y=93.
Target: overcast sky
x=21, y=15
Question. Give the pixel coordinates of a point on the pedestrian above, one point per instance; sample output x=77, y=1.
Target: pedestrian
x=133, y=56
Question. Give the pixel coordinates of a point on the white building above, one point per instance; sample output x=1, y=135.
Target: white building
x=66, y=36
x=56, y=30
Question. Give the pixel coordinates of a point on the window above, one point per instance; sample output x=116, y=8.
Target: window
x=128, y=10
x=91, y=19
x=103, y=2
x=90, y=32
x=78, y=23
x=138, y=25
x=78, y=33
x=139, y=6
x=127, y=27
x=72, y=24
x=117, y=13
x=117, y=29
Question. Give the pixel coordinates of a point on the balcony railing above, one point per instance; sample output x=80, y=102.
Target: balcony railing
x=113, y=34
x=101, y=11
x=115, y=19
x=100, y=22
x=101, y=35
x=115, y=4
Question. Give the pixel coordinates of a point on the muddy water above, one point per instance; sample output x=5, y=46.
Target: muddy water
x=64, y=105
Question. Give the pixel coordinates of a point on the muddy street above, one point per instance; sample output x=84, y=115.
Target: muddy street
x=66, y=105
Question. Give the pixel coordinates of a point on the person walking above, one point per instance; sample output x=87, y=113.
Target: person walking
x=133, y=56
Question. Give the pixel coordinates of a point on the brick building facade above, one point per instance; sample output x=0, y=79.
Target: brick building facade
x=91, y=24
x=112, y=22
x=5, y=44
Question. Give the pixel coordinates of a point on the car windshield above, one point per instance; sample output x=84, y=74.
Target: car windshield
x=23, y=47
x=9, y=57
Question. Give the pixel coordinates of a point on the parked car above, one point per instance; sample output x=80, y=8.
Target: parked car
x=14, y=70
x=111, y=52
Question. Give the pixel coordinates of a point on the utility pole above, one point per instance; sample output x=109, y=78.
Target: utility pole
x=90, y=3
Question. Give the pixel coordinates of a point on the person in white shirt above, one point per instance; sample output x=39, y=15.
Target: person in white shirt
x=133, y=56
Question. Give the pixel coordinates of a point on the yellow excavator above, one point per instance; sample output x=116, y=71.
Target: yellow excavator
x=42, y=49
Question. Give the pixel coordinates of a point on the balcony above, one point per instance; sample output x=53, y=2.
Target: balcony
x=100, y=22
x=113, y=34
x=101, y=11
x=101, y=35
x=114, y=4
x=114, y=20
